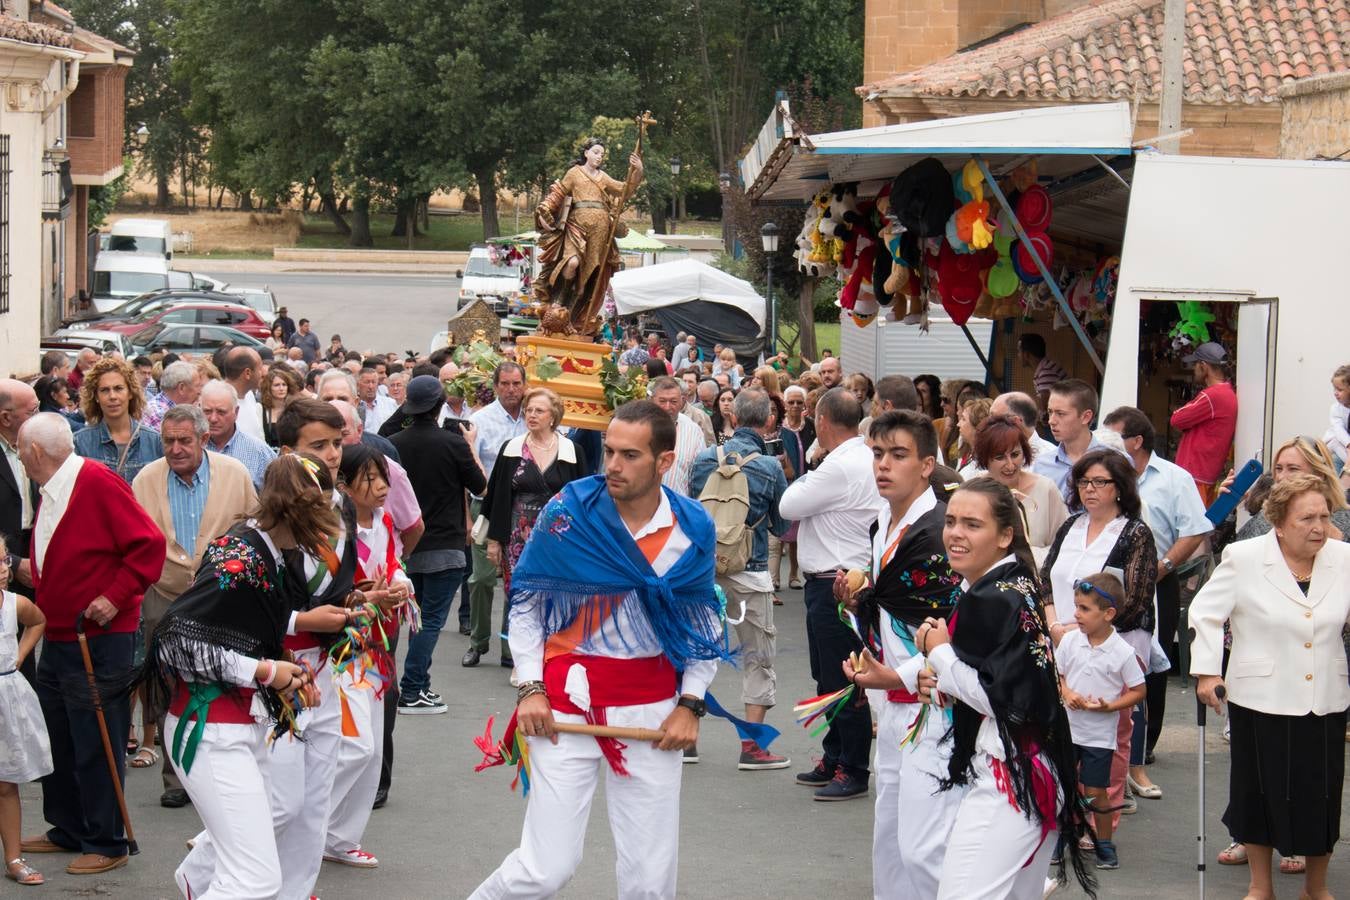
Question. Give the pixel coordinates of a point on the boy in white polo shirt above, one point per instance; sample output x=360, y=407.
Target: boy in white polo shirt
x=1099, y=675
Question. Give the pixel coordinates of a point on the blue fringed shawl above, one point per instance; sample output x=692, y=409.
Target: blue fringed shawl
x=579, y=550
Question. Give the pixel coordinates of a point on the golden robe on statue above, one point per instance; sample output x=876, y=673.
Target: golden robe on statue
x=573, y=223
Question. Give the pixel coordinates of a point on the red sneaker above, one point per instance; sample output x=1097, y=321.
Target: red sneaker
x=754, y=757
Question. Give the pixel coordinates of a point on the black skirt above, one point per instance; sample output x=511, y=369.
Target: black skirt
x=1284, y=786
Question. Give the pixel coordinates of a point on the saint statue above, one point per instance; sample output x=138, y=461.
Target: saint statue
x=578, y=222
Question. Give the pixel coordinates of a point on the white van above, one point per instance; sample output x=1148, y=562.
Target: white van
x=501, y=285
x=120, y=276
x=145, y=236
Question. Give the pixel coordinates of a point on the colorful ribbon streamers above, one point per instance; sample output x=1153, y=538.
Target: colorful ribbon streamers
x=823, y=708
x=512, y=749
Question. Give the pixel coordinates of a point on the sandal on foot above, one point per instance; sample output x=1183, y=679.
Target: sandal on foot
x=1293, y=865
x=18, y=871
x=145, y=758
x=1234, y=854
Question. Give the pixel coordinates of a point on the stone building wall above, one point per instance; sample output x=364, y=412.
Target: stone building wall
x=1316, y=117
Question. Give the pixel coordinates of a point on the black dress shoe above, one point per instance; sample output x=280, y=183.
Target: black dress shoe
x=465, y=629
x=174, y=798
x=471, y=657
x=381, y=798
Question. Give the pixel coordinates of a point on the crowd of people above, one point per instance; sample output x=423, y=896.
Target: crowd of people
x=242, y=541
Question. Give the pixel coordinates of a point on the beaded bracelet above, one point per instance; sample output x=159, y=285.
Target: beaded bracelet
x=529, y=689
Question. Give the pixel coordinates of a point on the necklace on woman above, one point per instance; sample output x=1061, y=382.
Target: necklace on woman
x=544, y=447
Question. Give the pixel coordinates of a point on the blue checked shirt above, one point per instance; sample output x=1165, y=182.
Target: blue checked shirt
x=495, y=427
x=186, y=502
x=253, y=453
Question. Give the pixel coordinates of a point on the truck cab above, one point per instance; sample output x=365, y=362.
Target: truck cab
x=500, y=285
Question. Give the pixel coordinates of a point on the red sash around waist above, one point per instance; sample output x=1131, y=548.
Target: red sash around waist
x=613, y=681
x=230, y=708
x=301, y=640
x=901, y=695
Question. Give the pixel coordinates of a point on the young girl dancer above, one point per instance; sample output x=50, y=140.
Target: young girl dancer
x=1010, y=736
x=25, y=754
x=216, y=663
x=363, y=476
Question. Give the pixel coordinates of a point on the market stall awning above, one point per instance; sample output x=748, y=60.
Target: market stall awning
x=1063, y=139
x=684, y=281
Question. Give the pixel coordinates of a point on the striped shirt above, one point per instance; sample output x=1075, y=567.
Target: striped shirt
x=187, y=499
x=1048, y=374
x=689, y=444
x=253, y=453
x=495, y=427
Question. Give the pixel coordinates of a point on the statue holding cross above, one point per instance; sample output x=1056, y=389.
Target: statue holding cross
x=578, y=221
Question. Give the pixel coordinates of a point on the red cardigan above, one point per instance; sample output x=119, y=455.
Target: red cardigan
x=104, y=545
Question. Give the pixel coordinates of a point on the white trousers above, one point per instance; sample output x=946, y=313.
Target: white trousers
x=358, y=769
x=888, y=880
x=236, y=857
x=644, y=813
x=914, y=819
x=302, y=787
x=925, y=828
x=990, y=844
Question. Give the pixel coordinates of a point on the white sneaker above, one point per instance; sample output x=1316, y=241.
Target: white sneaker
x=354, y=857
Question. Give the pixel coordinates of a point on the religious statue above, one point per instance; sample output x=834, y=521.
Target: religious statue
x=578, y=221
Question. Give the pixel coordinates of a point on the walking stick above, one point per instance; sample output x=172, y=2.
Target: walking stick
x=610, y=731
x=132, y=849
x=1219, y=692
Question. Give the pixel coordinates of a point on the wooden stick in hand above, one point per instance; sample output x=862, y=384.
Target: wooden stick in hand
x=609, y=731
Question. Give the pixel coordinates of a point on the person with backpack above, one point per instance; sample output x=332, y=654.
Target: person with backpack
x=740, y=485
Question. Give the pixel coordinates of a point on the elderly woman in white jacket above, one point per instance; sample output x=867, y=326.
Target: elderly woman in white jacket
x=1286, y=596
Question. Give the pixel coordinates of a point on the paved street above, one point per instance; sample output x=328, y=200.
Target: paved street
x=372, y=311
x=743, y=834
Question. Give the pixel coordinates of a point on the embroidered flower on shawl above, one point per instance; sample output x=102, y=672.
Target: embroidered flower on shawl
x=1037, y=639
x=559, y=520
x=933, y=569
x=237, y=563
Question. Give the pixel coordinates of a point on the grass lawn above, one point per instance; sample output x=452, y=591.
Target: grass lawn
x=456, y=232
x=827, y=335
x=445, y=233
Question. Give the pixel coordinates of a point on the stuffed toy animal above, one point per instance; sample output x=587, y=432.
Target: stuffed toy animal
x=922, y=198
x=1003, y=280
x=813, y=258
x=1193, y=329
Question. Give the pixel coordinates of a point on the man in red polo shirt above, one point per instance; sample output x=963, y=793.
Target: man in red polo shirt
x=94, y=553
x=1207, y=423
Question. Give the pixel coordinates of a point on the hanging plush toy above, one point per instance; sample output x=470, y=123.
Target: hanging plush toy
x=1003, y=280
x=1104, y=281
x=814, y=253
x=1193, y=329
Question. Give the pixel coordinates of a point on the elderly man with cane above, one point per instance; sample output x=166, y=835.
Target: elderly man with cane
x=94, y=553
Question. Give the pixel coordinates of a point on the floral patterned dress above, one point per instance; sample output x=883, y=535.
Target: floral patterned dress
x=530, y=490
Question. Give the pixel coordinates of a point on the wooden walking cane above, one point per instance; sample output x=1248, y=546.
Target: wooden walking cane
x=132, y=849
x=610, y=731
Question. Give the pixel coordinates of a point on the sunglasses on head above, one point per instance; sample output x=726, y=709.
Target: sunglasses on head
x=1087, y=587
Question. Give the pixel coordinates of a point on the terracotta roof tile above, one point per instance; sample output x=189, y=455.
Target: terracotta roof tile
x=32, y=32
x=1237, y=51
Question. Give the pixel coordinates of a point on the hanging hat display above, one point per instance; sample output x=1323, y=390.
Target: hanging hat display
x=1033, y=209
x=1025, y=265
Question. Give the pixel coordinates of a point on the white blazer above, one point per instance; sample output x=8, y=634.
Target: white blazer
x=1287, y=657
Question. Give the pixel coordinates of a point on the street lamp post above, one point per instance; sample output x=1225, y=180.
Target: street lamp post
x=675, y=165
x=769, y=238
x=724, y=185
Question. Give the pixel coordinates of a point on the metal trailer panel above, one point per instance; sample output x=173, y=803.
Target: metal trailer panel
x=891, y=348
x=1242, y=230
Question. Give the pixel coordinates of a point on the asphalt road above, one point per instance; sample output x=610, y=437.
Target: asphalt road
x=377, y=312
x=743, y=834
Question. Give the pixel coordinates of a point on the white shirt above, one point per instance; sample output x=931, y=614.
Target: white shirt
x=25, y=495
x=897, y=654
x=688, y=445
x=373, y=415
x=619, y=636
x=55, y=498
x=249, y=420
x=1040, y=445
x=1077, y=558
x=1102, y=672
x=836, y=505
x=375, y=542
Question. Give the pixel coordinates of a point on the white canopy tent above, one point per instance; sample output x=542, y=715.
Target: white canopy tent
x=687, y=295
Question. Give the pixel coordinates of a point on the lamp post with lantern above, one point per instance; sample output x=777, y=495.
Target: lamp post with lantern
x=769, y=239
x=675, y=166
x=724, y=186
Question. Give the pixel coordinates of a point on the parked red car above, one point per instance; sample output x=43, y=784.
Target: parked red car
x=230, y=315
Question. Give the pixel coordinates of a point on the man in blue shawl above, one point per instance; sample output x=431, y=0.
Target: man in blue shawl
x=614, y=621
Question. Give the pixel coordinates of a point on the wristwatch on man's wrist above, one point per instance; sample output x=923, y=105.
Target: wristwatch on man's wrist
x=1168, y=564
x=698, y=707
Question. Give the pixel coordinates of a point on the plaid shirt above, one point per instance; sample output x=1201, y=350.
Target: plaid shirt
x=495, y=427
